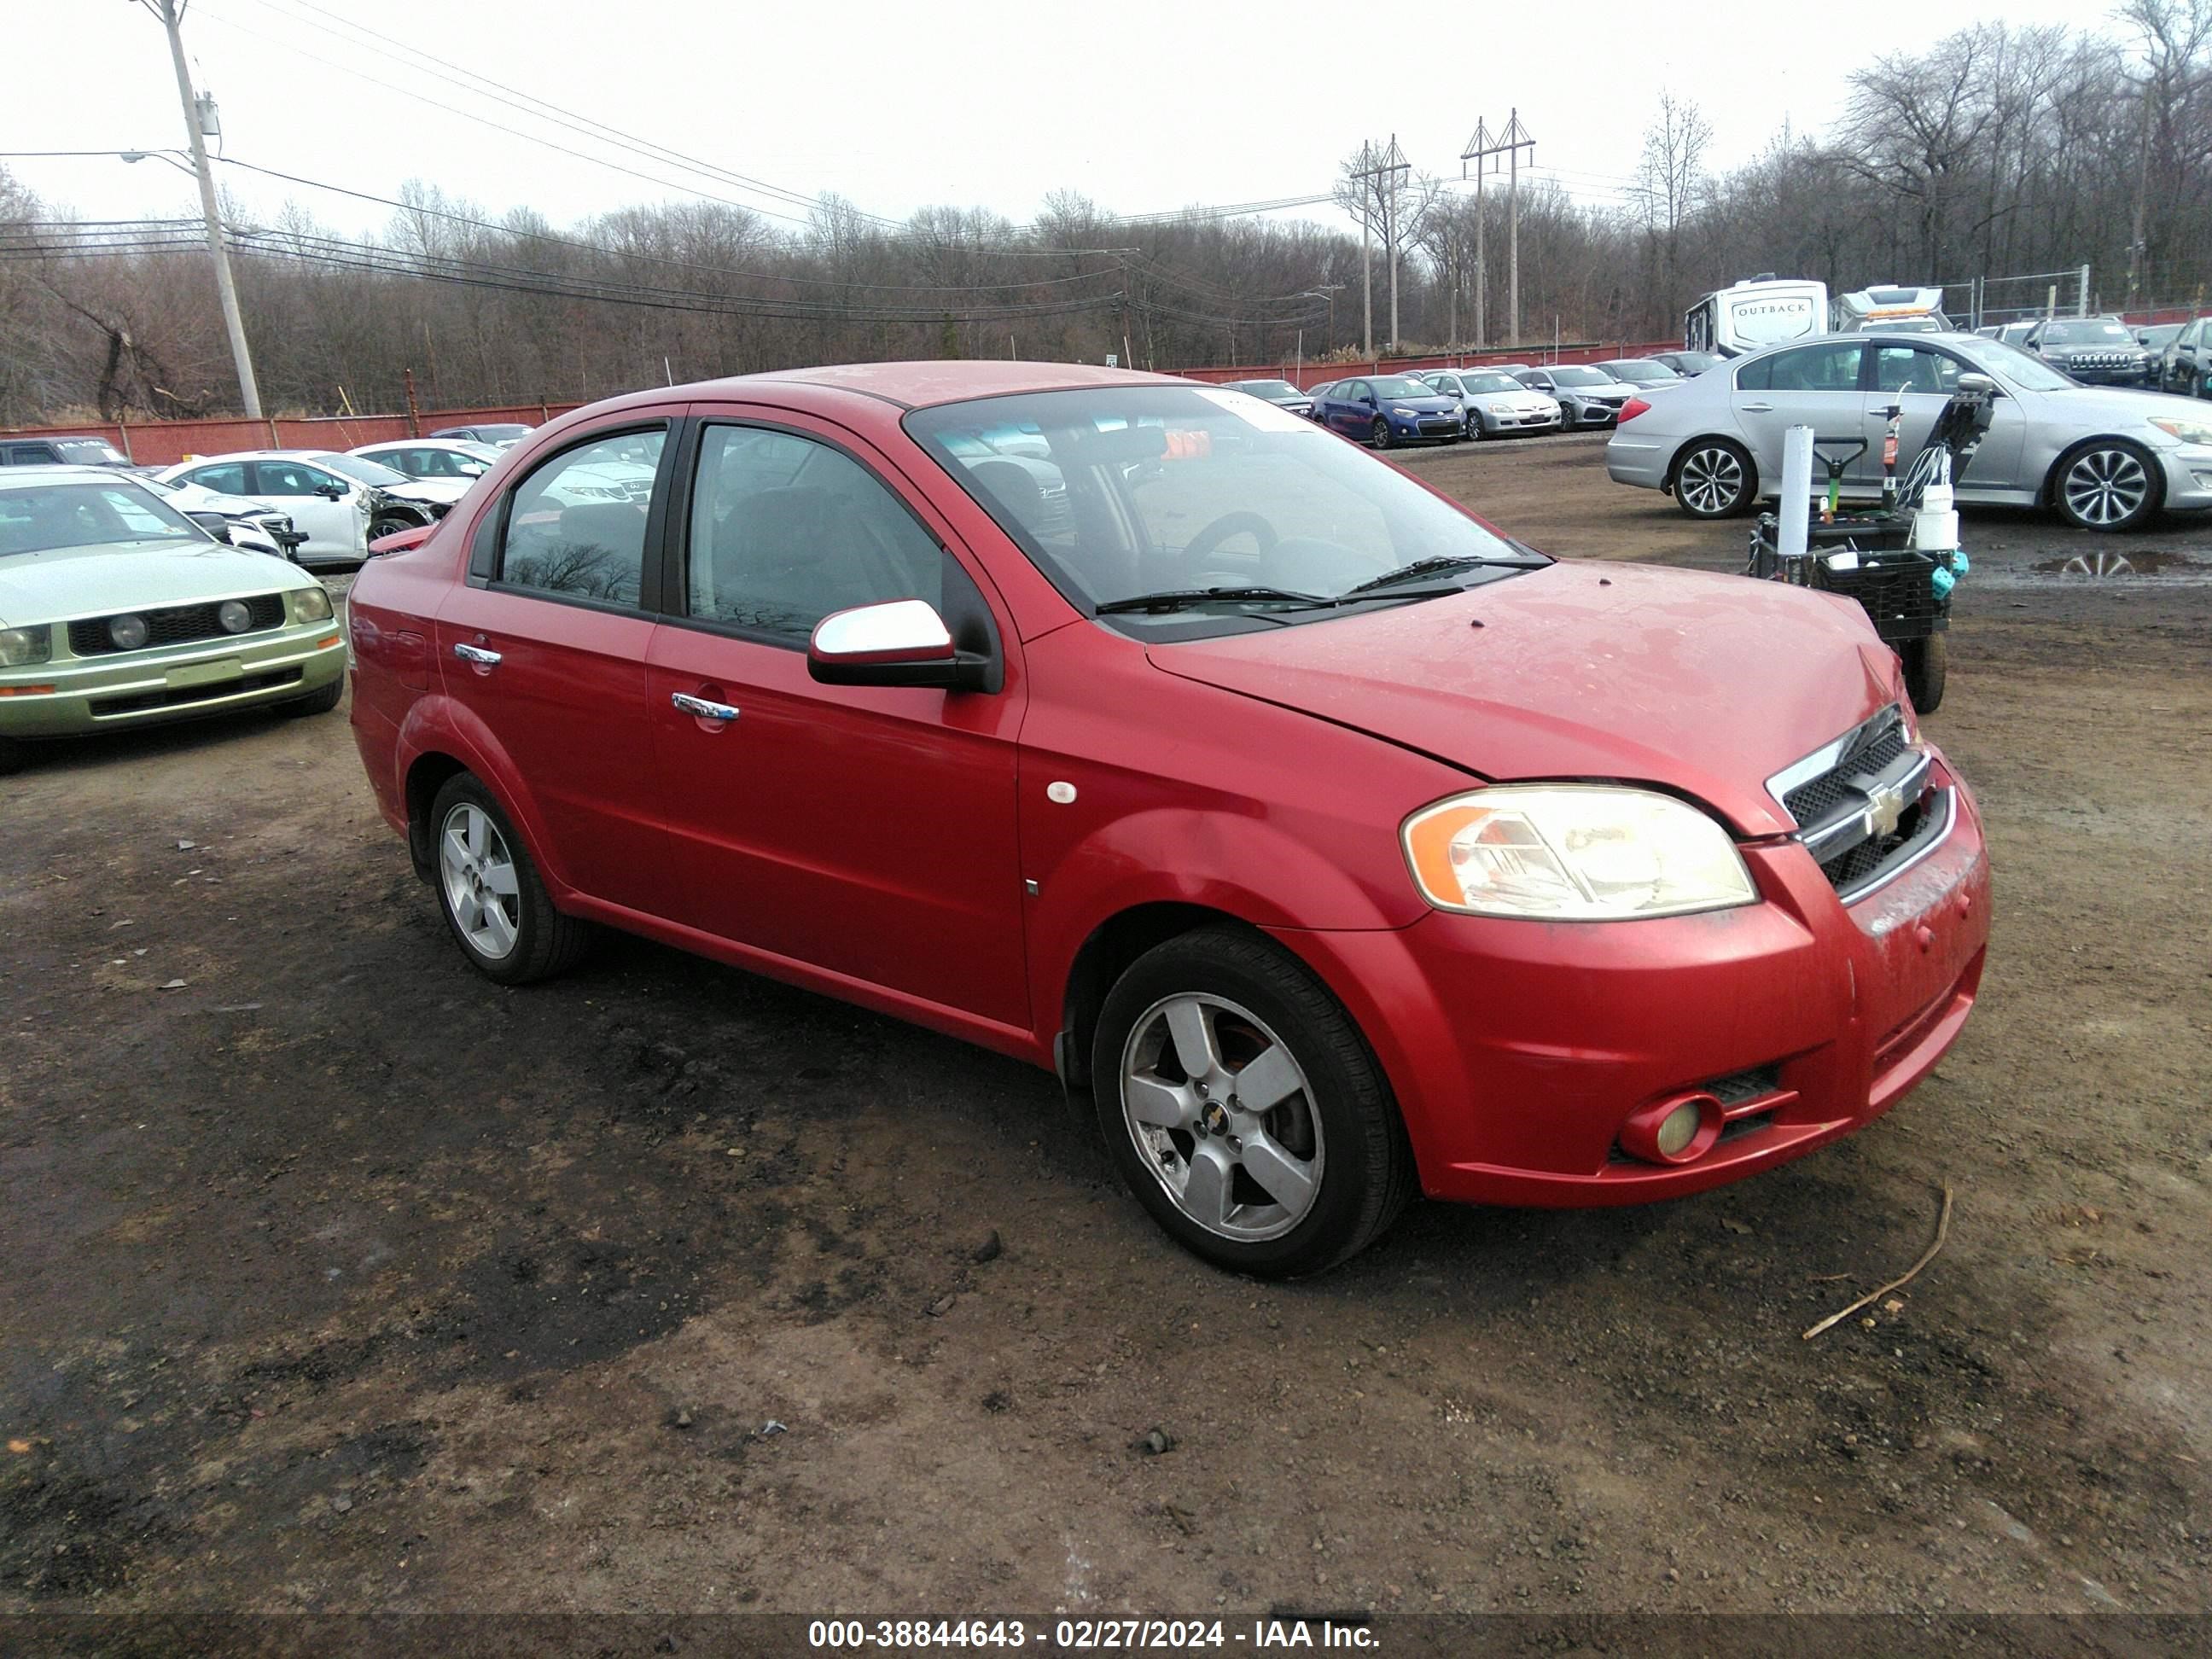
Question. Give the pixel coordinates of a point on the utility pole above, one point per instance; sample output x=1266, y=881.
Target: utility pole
x=1395, y=163
x=1372, y=169
x=172, y=13
x=1366, y=258
x=1479, y=150
x=1510, y=144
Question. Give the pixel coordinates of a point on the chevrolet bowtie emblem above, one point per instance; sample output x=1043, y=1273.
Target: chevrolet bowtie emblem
x=1885, y=806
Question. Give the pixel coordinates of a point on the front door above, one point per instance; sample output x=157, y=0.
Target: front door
x=335, y=529
x=1920, y=379
x=865, y=831
x=546, y=645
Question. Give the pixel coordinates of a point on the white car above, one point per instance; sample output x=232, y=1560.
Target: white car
x=434, y=460
x=252, y=524
x=1491, y=403
x=342, y=503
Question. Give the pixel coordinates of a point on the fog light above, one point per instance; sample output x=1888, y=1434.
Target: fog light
x=1678, y=1129
x=128, y=633
x=235, y=616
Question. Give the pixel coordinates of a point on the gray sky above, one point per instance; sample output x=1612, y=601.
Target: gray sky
x=1143, y=107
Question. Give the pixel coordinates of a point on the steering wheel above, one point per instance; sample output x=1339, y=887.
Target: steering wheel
x=1229, y=524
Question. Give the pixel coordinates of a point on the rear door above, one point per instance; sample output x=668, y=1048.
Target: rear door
x=1814, y=386
x=545, y=643
x=868, y=831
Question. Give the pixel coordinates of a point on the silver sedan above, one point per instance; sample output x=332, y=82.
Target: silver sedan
x=2103, y=459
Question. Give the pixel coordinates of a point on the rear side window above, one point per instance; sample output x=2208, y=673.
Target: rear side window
x=289, y=478
x=226, y=479
x=575, y=525
x=785, y=530
x=1808, y=368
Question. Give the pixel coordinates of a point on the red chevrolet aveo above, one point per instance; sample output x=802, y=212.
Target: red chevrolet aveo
x=1330, y=839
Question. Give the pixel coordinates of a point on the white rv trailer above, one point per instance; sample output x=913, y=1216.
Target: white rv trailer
x=1907, y=310
x=1755, y=312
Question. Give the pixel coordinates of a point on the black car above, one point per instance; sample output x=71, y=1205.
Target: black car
x=1281, y=393
x=2094, y=350
x=68, y=450
x=2187, y=366
x=1685, y=364
x=2157, y=340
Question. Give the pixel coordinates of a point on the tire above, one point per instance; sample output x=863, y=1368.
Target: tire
x=1476, y=431
x=2108, y=485
x=13, y=755
x=516, y=937
x=392, y=525
x=1926, y=663
x=1379, y=433
x=319, y=702
x=1316, y=1175
x=1714, y=478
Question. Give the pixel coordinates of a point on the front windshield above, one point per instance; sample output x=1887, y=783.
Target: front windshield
x=90, y=452
x=73, y=514
x=2161, y=336
x=2092, y=333
x=2021, y=367
x=1572, y=375
x=364, y=470
x=1493, y=383
x=1647, y=367
x=1159, y=488
x=1401, y=386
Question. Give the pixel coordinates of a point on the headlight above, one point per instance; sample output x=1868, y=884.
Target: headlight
x=21, y=647
x=1501, y=409
x=2187, y=430
x=311, y=604
x=1573, y=853
x=1403, y=414
x=129, y=632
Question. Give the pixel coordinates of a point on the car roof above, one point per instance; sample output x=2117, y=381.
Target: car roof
x=21, y=478
x=259, y=455
x=910, y=385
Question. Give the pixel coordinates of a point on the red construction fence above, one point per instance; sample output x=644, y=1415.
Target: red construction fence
x=157, y=443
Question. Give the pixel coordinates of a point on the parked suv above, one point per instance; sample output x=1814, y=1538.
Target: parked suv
x=2188, y=365
x=2094, y=350
x=1334, y=844
x=88, y=450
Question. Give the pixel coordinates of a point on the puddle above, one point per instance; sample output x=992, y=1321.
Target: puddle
x=2104, y=564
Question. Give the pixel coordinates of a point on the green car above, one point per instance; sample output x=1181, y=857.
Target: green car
x=117, y=610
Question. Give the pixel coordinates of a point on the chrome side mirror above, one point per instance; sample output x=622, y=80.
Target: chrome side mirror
x=897, y=642
x=1981, y=383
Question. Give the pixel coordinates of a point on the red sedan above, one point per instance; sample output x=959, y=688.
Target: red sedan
x=1332, y=841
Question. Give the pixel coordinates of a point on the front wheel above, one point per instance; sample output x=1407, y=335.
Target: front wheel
x=500, y=913
x=1476, y=430
x=392, y=524
x=2106, y=484
x=321, y=701
x=1927, y=661
x=1379, y=433
x=1714, y=479
x=1245, y=1109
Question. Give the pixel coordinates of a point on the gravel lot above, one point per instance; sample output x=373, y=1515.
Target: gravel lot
x=336, y=1278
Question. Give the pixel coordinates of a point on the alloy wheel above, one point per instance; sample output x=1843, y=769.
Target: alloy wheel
x=1710, y=480
x=1381, y=433
x=2106, y=487
x=481, y=890
x=1223, y=1116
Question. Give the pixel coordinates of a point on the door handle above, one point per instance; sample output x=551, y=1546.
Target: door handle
x=476, y=655
x=702, y=708
x=1756, y=409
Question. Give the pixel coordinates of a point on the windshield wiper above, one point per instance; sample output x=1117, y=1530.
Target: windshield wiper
x=1180, y=599
x=1447, y=562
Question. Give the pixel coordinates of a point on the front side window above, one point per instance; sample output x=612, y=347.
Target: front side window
x=293, y=479
x=1160, y=492
x=565, y=538
x=1908, y=368
x=785, y=530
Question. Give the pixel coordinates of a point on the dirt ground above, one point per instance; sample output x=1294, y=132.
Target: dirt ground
x=333, y=1277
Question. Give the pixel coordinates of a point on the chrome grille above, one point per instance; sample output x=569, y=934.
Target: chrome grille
x=1864, y=805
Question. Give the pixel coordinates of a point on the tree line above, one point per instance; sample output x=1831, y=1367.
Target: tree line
x=1996, y=151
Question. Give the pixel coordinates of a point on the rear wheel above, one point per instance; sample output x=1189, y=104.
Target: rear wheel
x=2106, y=484
x=1926, y=662
x=1714, y=479
x=500, y=913
x=1379, y=433
x=1245, y=1109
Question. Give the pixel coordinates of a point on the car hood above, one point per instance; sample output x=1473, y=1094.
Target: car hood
x=96, y=581
x=444, y=490
x=1707, y=684
x=1435, y=404
x=1610, y=389
x=2124, y=409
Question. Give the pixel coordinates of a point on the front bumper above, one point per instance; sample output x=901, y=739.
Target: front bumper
x=1518, y=1050
x=2188, y=470
x=70, y=696
x=1442, y=427
x=1590, y=413
x=2134, y=375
